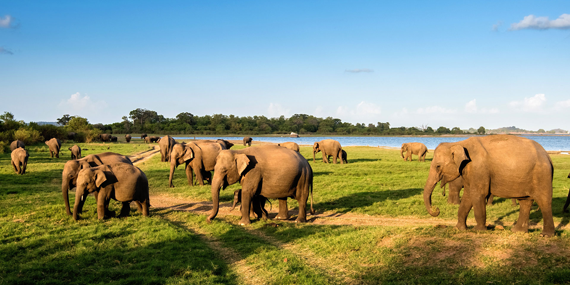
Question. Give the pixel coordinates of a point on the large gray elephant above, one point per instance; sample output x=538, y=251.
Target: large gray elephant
x=290, y=145
x=54, y=146
x=247, y=141
x=416, y=148
x=328, y=148
x=72, y=168
x=503, y=165
x=16, y=144
x=19, y=160
x=166, y=143
x=200, y=159
x=104, y=137
x=128, y=138
x=270, y=171
x=122, y=182
x=75, y=152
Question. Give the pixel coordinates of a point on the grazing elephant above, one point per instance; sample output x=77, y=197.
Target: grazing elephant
x=54, y=147
x=72, y=168
x=71, y=136
x=152, y=139
x=247, y=141
x=166, y=143
x=128, y=138
x=344, y=156
x=328, y=148
x=104, y=137
x=270, y=171
x=290, y=145
x=200, y=158
x=226, y=143
x=416, y=148
x=75, y=152
x=122, y=182
x=565, y=209
x=114, y=139
x=19, y=160
x=503, y=165
x=143, y=135
x=16, y=144
x=455, y=187
x=257, y=208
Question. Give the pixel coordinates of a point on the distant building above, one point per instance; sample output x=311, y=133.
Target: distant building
x=294, y=135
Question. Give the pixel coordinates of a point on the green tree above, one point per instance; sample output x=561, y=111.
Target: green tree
x=7, y=117
x=481, y=130
x=64, y=120
x=77, y=124
x=443, y=130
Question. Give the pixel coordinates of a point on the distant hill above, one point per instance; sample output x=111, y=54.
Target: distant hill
x=515, y=130
x=47, y=123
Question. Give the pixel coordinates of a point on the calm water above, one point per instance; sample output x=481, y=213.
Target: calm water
x=548, y=142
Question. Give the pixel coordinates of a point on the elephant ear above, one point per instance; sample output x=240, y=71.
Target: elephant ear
x=459, y=155
x=100, y=178
x=242, y=162
x=316, y=145
x=188, y=154
x=84, y=165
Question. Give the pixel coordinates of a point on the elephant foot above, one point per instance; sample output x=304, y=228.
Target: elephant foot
x=244, y=222
x=517, y=229
x=461, y=227
x=547, y=233
x=279, y=217
x=300, y=220
x=480, y=228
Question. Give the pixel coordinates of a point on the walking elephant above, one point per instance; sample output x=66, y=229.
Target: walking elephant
x=151, y=139
x=200, y=159
x=19, y=160
x=503, y=165
x=247, y=141
x=122, y=182
x=104, y=137
x=455, y=187
x=75, y=152
x=166, y=143
x=72, y=168
x=270, y=171
x=16, y=144
x=290, y=145
x=54, y=146
x=416, y=148
x=328, y=148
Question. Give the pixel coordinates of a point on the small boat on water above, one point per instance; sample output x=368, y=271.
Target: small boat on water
x=294, y=135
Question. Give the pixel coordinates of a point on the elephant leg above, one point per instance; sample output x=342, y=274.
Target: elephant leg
x=325, y=157
x=139, y=206
x=283, y=210
x=189, y=174
x=464, y=209
x=524, y=214
x=302, y=200
x=453, y=197
x=246, y=199
x=514, y=202
x=199, y=178
x=16, y=168
x=490, y=200
x=145, y=207
x=565, y=209
x=125, y=210
x=480, y=211
x=335, y=157
x=101, y=206
x=545, y=205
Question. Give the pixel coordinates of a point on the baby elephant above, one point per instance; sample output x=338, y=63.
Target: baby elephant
x=257, y=208
x=120, y=181
x=20, y=160
x=75, y=152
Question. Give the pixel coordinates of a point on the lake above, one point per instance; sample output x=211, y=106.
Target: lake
x=548, y=142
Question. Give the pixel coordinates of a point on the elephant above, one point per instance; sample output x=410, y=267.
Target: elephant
x=20, y=160
x=113, y=139
x=54, y=147
x=104, y=137
x=455, y=187
x=72, y=168
x=270, y=171
x=226, y=143
x=200, y=158
x=290, y=145
x=128, y=138
x=506, y=166
x=166, y=143
x=75, y=152
x=565, y=209
x=151, y=139
x=257, y=208
x=122, y=182
x=247, y=141
x=416, y=148
x=143, y=135
x=17, y=144
x=344, y=156
x=329, y=148
x=71, y=136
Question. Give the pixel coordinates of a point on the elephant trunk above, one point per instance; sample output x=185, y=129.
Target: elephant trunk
x=428, y=190
x=216, y=186
x=64, y=192
x=313, y=156
x=402, y=152
x=172, y=168
x=79, y=200
x=237, y=197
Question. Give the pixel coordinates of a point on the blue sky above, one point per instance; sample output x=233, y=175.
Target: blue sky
x=411, y=63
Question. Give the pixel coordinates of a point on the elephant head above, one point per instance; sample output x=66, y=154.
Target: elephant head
x=403, y=149
x=90, y=180
x=446, y=166
x=229, y=169
x=316, y=148
x=181, y=153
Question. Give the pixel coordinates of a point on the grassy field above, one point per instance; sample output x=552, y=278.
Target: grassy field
x=40, y=244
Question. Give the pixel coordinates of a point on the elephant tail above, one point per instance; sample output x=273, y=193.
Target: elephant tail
x=311, y=189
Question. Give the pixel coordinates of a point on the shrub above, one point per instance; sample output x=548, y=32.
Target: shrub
x=28, y=135
x=51, y=131
x=4, y=146
x=90, y=135
x=7, y=136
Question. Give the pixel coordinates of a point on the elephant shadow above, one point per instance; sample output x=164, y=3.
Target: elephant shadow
x=319, y=173
x=348, y=203
x=363, y=160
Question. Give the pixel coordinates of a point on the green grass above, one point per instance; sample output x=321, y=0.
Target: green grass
x=40, y=244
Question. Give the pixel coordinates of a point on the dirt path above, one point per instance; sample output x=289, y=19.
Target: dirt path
x=144, y=155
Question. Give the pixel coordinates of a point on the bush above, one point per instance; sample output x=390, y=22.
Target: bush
x=4, y=146
x=7, y=136
x=51, y=131
x=28, y=135
x=90, y=135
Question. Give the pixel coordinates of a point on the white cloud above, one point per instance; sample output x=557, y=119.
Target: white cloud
x=276, y=110
x=529, y=104
x=6, y=22
x=542, y=23
x=5, y=51
x=497, y=26
x=435, y=110
x=471, y=107
x=562, y=105
x=359, y=70
x=363, y=111
x=82, y=105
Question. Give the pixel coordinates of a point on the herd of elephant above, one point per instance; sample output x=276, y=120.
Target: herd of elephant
x=499, y=165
